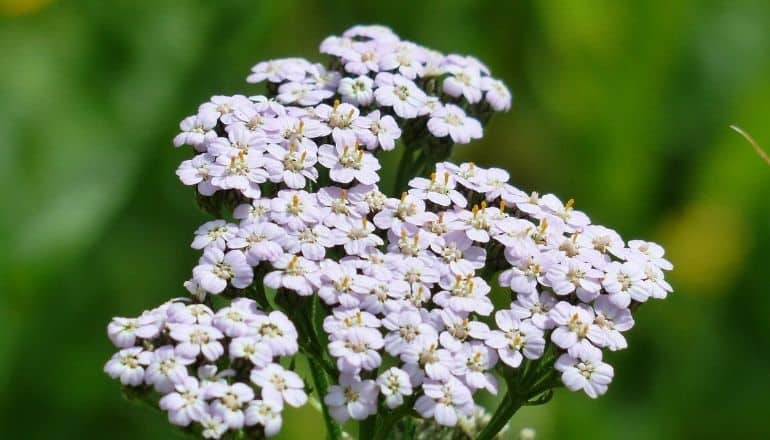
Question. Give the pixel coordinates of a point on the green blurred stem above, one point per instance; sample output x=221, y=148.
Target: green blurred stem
x=403, y=175
x=508, y=407
x=366, y=427
x=321, y=381
x=387, y=422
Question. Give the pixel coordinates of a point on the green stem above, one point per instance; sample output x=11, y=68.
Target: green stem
x=366, y=427
x=508, y=407
x=389, y=421
x=321, y=381
x=403, y=175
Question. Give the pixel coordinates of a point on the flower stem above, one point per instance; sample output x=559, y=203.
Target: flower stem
x=508, y=407
x=386, y=422
x=321, y=381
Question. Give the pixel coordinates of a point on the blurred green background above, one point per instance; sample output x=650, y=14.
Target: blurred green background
x=624, y=106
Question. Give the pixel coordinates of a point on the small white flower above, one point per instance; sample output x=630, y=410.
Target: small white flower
x=291, y=69
x=586, y=372
x=625, y=282
x=400, y=93
x=424, y=354
x=195, y=339
x=347, y=162
x=302, y=94
x=123, y=332
x=213, y=426
x=294, y=273
x=394, y=385
x=405, y=327
x=358, y=91
x=255, y=212
x=356, y=350
x=293, y=165
x=352, y=398
x=186, y=404
x=278, y=332
x=438, y=189
x=265, y=413
x=465, y=82
x=197, y=171
x=573, y=275
x=496, y=94
x=166, y=369
x=464, y=294
x=612, y=320
x=259, y=241
x=197, y=130
x=215, y=233
x=444, y=401
x=216, y=269
x=472, y=364
x=576, y=331
x=356, y=236
x=251, y=348
x=128, y=365
x=450, y=120
x=294, y=209
x=229, y=402
x=310, y=241
x=385, y=131
x=279, y=385
x=459, y=328
x=516, y=339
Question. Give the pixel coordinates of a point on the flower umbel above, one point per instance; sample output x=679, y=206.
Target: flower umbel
x=388, y=295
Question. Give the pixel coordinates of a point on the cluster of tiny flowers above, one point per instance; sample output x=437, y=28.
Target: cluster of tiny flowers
x=403, y=283
x=178, y=350
x=409, y=285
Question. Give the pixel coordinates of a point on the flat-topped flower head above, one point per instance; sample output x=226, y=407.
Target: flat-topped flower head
x=385, y=288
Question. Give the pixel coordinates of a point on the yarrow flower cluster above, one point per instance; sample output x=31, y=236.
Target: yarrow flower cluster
x=177, y=350
x=390, y=297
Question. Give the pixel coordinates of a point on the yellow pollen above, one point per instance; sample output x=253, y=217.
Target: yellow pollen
x=569, y=204
x=543, y=225
x=446, y=177
x=433, y=177
x=403, y=196
x=344, y=195
x=336, y=104
x=292, y=262
x=295, y=200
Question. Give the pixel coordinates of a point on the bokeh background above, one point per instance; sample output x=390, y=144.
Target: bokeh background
x=624, y=106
